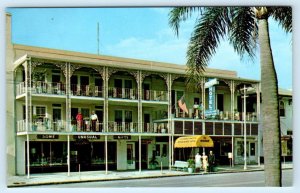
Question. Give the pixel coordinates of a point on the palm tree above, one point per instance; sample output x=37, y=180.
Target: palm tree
x=241, y=25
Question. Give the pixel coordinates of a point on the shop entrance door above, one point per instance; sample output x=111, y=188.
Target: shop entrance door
x=130, y=155
x=162, y=154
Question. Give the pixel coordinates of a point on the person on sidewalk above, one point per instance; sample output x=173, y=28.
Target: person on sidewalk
x=198, y=163
x=204, y=162
x=211, y=161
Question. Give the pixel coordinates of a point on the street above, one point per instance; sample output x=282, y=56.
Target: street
x=243, y=179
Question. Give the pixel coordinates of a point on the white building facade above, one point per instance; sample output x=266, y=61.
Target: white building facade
x=136, y=103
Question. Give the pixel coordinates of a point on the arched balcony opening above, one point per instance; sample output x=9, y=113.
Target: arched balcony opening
x=86, y=82
x=154, y=88
x=122, y=85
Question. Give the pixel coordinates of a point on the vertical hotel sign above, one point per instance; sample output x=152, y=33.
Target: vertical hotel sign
x=211, y=96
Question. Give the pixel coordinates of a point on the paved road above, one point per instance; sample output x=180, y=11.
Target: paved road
x=244, y=179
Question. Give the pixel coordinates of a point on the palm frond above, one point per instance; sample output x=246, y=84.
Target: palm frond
x=243, y=31
x=207, y=33
x=179, y=14
x=284, y=16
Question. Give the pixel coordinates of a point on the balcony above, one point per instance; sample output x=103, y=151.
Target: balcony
x=39, y=87
x=155, y=95
x=123, y=93
x=221, y=115
x=155, y=128
x=42, y=125
x=86, y=90
x=218, y=128
x=86, y=126
x=122, y=127
x=132, y=127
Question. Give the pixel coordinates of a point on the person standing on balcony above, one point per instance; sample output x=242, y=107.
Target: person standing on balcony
x=200, y=110
x=94, y=120
x=196, y=110
x=79, y=119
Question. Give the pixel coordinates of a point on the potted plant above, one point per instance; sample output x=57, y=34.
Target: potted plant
x=191, y=165
x=153, y=163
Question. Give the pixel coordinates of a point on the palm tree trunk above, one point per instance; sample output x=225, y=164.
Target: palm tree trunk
x=270, y=109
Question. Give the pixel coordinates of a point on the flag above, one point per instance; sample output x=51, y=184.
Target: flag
x=182, y=105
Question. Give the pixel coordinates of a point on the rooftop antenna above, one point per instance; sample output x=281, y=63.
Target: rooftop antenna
x=98, y=38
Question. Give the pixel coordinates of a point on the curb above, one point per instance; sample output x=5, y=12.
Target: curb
x=24, y=184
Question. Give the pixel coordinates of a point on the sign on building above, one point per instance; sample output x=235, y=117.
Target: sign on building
x=211, y=97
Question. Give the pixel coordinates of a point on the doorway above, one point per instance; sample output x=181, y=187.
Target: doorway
x=147, y=122
x=57, y=124
x=84, y=83
x=130, y=155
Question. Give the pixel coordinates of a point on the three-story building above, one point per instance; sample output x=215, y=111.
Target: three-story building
x=137, y=108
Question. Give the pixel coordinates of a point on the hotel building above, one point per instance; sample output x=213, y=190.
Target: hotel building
x=137, y=105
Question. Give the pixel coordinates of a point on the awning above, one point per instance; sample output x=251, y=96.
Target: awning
x=194, y=141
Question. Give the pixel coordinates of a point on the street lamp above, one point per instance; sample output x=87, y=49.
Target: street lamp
x=244, y=90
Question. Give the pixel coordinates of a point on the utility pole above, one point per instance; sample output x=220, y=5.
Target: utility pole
x=98, y=42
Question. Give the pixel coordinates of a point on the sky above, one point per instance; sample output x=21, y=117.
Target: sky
x=140, y=33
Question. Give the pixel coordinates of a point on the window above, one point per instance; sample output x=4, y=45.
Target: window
x=196, y=100
x=128, y=116
x=40, y=111
x=128, y=84
x=118, y=116
x=220, y=102
x=281, y=109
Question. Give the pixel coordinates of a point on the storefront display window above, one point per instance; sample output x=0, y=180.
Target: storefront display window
x=45, y=155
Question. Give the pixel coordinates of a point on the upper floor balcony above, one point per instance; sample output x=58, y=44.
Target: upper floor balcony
x=220, y=115
x=132, y=94
x=122, y=93
x=180, y=126
x=57, y=88
x=42, y=88
x=86, y=90
x=155, y=95
x=42, y=125
x=86, y=126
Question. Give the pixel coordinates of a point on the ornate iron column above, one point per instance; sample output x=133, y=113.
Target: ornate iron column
x=140, y=110
x=232, y=91
x=105, y=106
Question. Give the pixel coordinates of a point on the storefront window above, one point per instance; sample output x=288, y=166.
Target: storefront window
x=225, y=148
x=97, y=151
x=45, y=155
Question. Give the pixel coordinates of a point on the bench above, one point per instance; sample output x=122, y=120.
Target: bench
x=183, y=165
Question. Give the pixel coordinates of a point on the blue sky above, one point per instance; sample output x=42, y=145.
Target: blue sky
x=141, y=33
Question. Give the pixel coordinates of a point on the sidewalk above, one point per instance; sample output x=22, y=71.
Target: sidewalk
x=62, y=177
